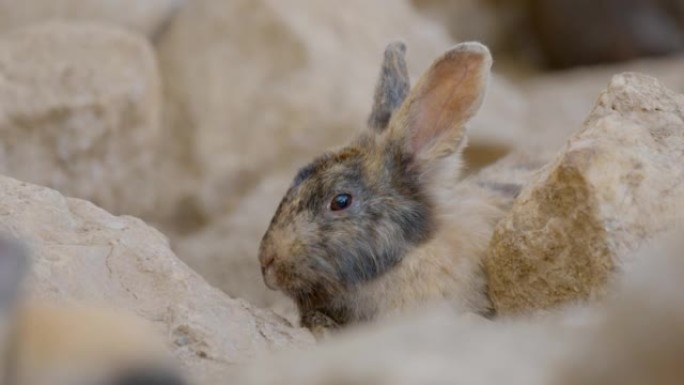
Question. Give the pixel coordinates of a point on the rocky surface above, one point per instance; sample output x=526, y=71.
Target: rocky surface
x=226, y=252
x=145, y=16
x=80, y=112
x=83, y=254
x=614, y=185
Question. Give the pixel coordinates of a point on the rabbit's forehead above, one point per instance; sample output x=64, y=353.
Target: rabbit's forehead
x=343, y=168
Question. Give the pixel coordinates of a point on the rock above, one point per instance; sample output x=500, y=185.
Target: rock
x=558, y=102
x=225, y=253
x=436, y=347
x=83, y=254
x=465, y=20
x=487, y=21
x=614, y=185
x=145, y=16
x=586, y=32
x=255, y=87
x=640, y=334
x=80, y=112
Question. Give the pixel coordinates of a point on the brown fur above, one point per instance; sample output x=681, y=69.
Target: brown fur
x=413, y=234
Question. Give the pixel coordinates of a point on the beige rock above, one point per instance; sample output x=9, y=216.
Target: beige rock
x=254, y=87
x=83, y=254
x=468, y=19
x=436, y=347
x=145, y=16
x=639, y=338
x=558, y=102
x=225, y=253
x=80, y=112
x=615, y=184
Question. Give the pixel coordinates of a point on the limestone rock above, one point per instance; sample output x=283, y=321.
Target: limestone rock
x=80, y=112
x=254, y=87
x=84, y=254
x=558, y=102
x=144, y=16
x=616, y=183
x=225, y=253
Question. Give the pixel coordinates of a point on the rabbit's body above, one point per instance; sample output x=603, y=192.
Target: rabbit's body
x=433, y=271
x=384, y=225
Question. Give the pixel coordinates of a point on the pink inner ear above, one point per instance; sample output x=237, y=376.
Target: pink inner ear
x=450, y=96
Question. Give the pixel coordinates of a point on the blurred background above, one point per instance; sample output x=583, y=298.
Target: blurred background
x=194, y=114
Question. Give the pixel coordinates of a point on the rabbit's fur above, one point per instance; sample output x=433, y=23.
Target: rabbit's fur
x=413, y=233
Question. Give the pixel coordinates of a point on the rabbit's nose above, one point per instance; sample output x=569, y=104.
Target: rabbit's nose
x=266, y=261
x=267, y=270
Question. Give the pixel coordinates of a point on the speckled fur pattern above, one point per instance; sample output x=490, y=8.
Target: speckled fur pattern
x=413, y=233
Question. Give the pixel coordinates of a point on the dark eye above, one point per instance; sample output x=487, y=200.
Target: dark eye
x=340, y=202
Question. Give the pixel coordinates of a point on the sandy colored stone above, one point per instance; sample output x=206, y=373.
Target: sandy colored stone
x=145, y=16
x=255, y=87
x=478, y=20
x=616, y=184
x=80, y=112
x=558, y=102
x=225, y=253
x=84, y=254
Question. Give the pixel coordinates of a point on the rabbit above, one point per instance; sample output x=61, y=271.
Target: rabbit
x=384, y=225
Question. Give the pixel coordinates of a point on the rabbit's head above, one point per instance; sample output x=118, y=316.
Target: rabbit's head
x=352, y=214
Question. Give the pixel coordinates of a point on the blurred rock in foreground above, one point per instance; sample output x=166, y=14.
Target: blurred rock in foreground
x=634, y=338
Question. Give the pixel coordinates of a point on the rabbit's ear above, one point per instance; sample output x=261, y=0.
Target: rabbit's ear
x=432, y=120
x=392, y=87
x=13, y=267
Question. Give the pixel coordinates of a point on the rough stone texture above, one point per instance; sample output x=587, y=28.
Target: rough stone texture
x=615, y=184
x=80, y=112
x=84, y=254
x=261, y=86
x=225, y=253
x=145, y=16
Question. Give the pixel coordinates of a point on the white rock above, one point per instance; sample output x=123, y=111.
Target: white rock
x=144, y=16
x=80, y=112
x=84, y=254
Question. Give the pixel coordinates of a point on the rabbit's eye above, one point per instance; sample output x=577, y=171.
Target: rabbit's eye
x=340, y=202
